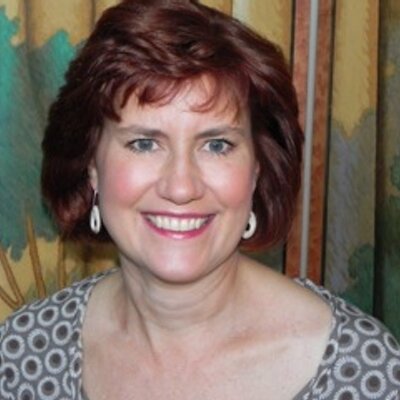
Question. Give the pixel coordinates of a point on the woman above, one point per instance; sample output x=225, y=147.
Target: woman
x=176, y=137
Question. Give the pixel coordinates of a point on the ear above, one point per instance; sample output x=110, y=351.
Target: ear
x=93, y=175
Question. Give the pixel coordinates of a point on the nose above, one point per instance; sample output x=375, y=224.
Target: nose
x=181, y=181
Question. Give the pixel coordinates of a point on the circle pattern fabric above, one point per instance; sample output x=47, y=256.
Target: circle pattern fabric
x=41, y=346
x=361, y=360
x=41, y=351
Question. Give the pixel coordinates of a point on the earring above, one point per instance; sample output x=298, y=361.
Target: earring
x=95, y=219
x=251, y=226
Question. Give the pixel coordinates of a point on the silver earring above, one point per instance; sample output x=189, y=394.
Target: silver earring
x=95, y=219
x=251, y=226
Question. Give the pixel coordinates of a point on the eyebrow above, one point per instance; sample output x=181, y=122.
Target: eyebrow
x=155, y=133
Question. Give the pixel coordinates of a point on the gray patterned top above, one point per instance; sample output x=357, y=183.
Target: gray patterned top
x=41, y=351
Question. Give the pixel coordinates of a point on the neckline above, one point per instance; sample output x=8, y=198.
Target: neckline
x=328, y=298
x=93, y=280
x=321, y=292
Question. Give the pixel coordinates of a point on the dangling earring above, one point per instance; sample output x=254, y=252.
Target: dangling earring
x=251, y=226
x=95, y=219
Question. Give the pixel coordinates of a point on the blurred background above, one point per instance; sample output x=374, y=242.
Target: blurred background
x=345, y=59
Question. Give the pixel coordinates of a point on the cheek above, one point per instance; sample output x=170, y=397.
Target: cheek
x=234, y=186
x=120, y=182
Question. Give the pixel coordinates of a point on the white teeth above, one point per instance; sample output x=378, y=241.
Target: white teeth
x=176, y=224
x=184, y=225
x=166, y=223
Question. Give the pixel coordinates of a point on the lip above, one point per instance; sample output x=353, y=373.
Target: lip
x=177, y=234
x=177, y=215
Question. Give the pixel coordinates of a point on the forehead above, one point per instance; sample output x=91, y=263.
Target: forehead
x=204, y=96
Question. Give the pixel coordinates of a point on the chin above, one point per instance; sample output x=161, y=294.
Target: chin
x=176, y=275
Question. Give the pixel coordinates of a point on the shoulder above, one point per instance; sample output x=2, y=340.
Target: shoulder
x=41, y=343
x=362, y=357
x=64, y=305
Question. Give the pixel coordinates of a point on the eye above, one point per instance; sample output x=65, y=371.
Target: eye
x=218, y=146
x=143, y=145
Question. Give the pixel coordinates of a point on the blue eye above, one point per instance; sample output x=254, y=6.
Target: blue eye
x=218, y=146
x=143, y=145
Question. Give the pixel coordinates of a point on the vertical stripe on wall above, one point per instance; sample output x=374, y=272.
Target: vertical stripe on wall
x=308, y=136
x=299, y=66
x=349, y=260
x=320, y=133
x=387, y=294
x=270, y=19
x=320, y=139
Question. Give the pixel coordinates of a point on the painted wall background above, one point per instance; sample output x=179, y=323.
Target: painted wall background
x=354, y=234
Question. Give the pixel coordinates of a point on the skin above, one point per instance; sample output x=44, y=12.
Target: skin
x=187, y=310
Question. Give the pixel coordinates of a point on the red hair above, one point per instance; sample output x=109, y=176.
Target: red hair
x=153, y=48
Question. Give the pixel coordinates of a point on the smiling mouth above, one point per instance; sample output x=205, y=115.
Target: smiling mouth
x=177, y=224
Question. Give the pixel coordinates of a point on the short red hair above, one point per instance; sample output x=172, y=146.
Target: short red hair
x=153, y=48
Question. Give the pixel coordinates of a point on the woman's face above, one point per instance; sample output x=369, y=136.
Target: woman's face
x=175, y=185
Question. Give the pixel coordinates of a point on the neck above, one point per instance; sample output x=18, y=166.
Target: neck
x=164, y=313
